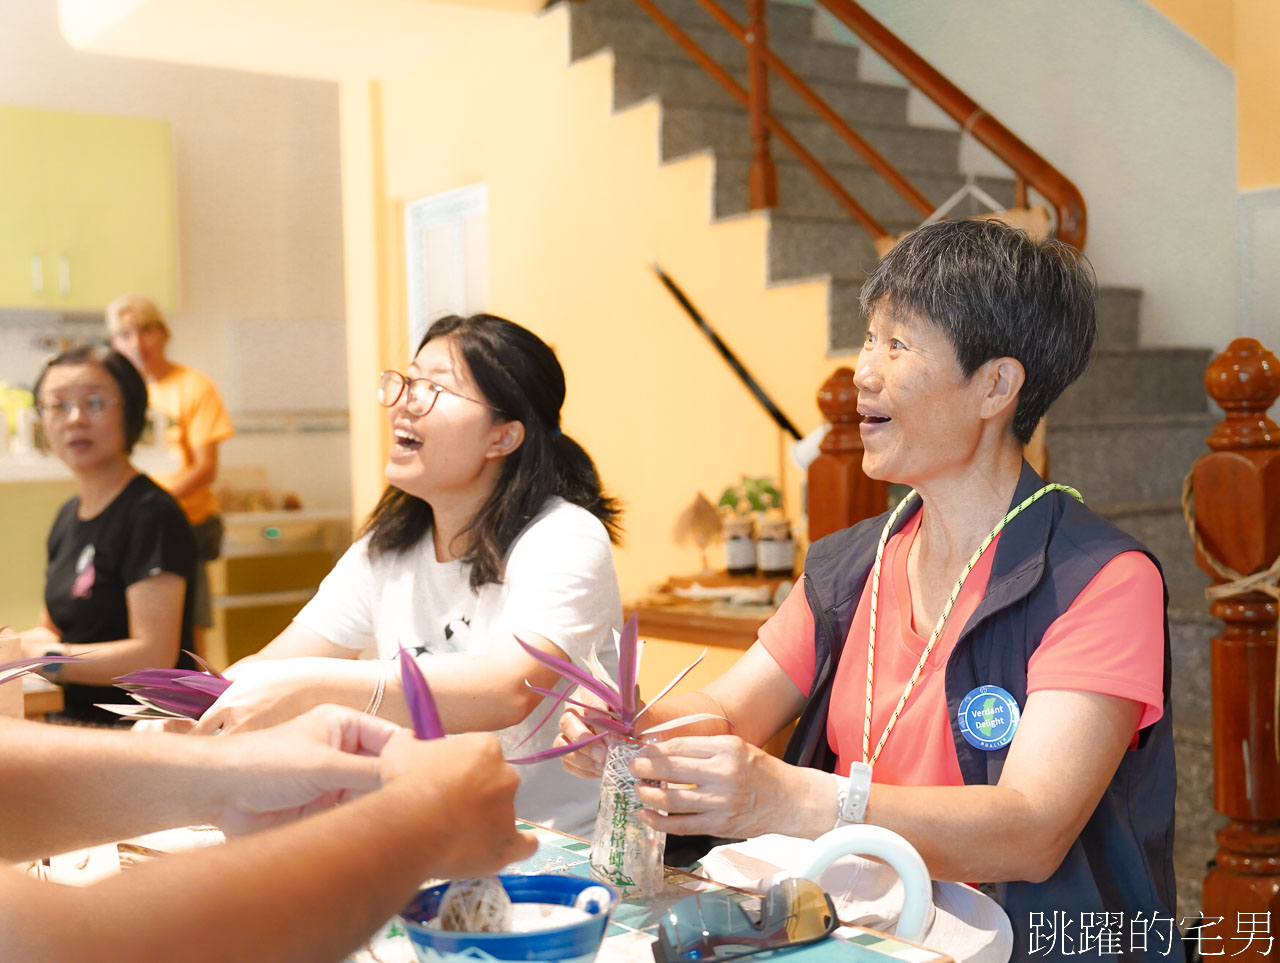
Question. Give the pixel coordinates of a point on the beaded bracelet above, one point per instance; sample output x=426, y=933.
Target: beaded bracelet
x=379, y=688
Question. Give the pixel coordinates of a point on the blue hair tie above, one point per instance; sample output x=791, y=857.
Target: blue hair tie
x=557, y=433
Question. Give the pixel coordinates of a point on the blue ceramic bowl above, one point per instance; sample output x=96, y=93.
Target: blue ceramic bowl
x=574, y=943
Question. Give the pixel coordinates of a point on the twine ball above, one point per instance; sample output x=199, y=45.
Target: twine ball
x=478, y=905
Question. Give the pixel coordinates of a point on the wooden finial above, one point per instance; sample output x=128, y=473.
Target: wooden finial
x=1245, y=381
x=840, y=493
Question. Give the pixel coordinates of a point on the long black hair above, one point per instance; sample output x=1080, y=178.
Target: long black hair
x=133, y=390
x=520, y=376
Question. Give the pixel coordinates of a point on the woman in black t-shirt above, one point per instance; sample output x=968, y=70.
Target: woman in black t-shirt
x=121, y=554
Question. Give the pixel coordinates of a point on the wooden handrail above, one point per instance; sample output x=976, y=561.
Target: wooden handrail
x=1236, y=490
x=1029, y=167
x=774, y=126
x=820, y=107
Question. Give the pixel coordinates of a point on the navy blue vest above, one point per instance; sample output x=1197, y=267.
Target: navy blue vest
x=1122, y=862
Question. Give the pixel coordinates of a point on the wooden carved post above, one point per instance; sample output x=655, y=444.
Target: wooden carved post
x=1237, y=504
x=763, y=176
x=839, y=493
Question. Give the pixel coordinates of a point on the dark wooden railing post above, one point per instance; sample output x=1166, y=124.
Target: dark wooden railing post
x=840, y=494
x=764, y=176
x=1237, y=511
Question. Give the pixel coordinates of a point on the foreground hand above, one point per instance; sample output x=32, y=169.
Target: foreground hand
x=310, y=763
x=466, y=778
x=727, y=787
x=267, y=692
x=587, y=762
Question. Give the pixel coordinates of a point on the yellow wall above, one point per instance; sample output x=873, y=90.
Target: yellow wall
x=27, y=510
x=578, y=208
x=1245, y=35
x=1258, y=91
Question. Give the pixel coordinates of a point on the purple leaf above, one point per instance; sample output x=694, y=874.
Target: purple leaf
x=672, y=684
x=27, y=666
x=560, y=697
x=204, y=665
x=568, y=670
x=186, y=702
x=563, y=698
x=627, y=668
x=422, y=706
x=213, y=684
x=558, y=751
x=152, y=676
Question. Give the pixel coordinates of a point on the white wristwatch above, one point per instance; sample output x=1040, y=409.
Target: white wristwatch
x=852, y=792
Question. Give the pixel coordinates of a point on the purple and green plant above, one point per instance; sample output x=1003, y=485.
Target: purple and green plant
x=169, y=693
x=417, y=694
x=622, y=710
x=17, y=668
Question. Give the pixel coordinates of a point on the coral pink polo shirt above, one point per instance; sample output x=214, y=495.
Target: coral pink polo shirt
x=1110, y=640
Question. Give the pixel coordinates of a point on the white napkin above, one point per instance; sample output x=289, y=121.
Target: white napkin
x=965, y=924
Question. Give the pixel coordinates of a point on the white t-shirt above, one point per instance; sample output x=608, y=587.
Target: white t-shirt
x=559, y=583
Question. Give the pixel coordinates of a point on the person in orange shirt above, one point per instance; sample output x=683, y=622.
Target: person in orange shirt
x=198, y=423
x=986, y=668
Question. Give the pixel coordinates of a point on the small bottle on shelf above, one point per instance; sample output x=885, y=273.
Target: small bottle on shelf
x=776, y=549
x=739, y=547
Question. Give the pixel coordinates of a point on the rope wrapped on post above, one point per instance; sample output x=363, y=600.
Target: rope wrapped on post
x=1266, y=581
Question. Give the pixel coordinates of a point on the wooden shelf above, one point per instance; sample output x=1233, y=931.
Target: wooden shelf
x=697, y=622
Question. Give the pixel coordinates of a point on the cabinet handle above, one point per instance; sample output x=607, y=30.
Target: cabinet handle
x=64, y=275
x=37, y=274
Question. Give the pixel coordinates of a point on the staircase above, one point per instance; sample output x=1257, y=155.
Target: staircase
x=1125, y=434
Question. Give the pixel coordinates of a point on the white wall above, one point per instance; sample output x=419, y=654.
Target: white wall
x=1259, y=256
x=259, y=206
x=1138, y=114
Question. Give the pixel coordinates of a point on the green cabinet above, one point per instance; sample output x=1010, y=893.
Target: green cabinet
x=86, y=209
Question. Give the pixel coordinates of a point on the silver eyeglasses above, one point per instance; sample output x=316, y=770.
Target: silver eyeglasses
x=92, y=406
x=420, y=393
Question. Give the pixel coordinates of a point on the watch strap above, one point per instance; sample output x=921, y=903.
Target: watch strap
x=852, y=793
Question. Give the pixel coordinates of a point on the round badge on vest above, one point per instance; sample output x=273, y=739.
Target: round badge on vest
x=988, y=717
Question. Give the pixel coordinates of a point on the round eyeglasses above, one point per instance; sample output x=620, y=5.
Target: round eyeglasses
x=420, y=393
x=92, y=406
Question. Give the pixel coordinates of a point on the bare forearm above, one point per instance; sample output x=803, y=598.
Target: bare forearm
x=311, y=891
x=38, y=640
x=974, y=834
x=103, y=662
x=192, y=479
x=134, y=788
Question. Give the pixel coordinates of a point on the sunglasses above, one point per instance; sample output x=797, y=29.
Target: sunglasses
x=715, y=926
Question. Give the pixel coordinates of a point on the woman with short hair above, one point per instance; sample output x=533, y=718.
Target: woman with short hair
x=121, y=556
x=494, y=525
x=986, y=667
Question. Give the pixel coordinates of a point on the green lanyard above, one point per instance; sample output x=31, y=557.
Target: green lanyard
x=871, y=758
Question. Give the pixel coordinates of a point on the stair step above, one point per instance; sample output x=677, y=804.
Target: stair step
x=846, y=327
x=807, y=247
x=1159, y=526
x=683, y=82
x=1118, y=316
x=639, y=36
x=688, y=129
x=785, y=21
x=800, y=193
x=1127, y=458
x=1138, y=381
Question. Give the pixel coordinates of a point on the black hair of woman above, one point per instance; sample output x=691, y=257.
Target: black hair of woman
x=520, y=377
x=133, y=390
x=995, y=291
